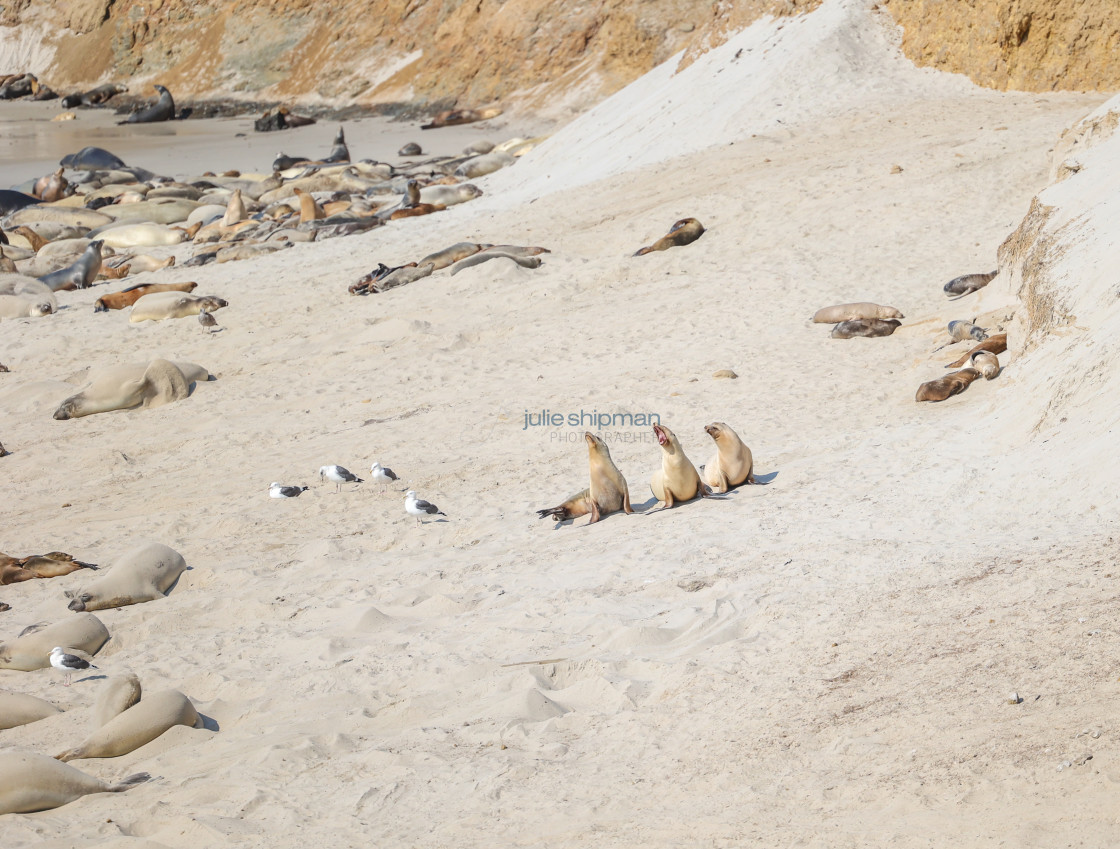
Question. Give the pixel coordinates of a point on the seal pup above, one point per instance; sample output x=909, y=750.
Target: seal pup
x=32, y=782
x=869, y=327
x=81, y=274
x=732, y=464
x=852, y=312
x=418, y=507
x=966, y=284
x=947, y=386
x=995, y=344
x=278, y=490
x=451, y=255
x=986, y=363
x=68, y=663
x=338, y=475
x=677, y=479
x=683, y=232
x=608, y=492
x=162, y=110
x=961, y=330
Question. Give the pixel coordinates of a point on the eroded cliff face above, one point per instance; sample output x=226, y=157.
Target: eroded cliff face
x=1031, y=45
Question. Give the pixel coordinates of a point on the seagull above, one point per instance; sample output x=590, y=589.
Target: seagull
x=277, y=490
x=68, y=663
x=339, y=475
x=415, y=507
x=206, y=320
x=381, y=474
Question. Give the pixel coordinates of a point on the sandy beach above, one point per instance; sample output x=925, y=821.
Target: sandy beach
x=823, y=661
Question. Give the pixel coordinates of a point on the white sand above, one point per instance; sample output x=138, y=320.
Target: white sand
x=838, y=678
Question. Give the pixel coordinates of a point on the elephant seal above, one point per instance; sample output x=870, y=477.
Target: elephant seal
x=12, y=201
x=20, y=709
x=128, y=386
x=869, y=327
x=961, y=330
x=19, y=306
x=32, y=649
x=140, y=724
x=450, y=195
x=852, y=312
x=487, y=163
x=92, y=159
x=114, y=697
x=144, y=573
x=969, y=283
x=162, y=110
x=454, y=117
x=995, y=344
x=732, y=464
x=128, y=297
x=986, y=363
x=683, y=232
x=32, y=782
x=607, y=493
x=158, y=306
x=677, y=479
x=947, y=386
x=139, y=234
x=81, y=274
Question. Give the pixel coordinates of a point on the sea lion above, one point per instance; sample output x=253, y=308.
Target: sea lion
x=81, y=274
x=125, y=387
x=141, y=234
x=450, y=195
x=410, y=149
x=92, y=159
x=52, y=187
x=114, y=697
x=732, y=464
x=52, y=565
x=607, y=493
x=235, y=209
x=451, y=255
x=493, y=253
x=23, y=306
x=852, y=312
x=454, y=117
x=339, y=152
x=869, y=327
x=159, y=306
x=138, y=263
x=995, y=344
x=12, y=201
x=309, y=209
x=102, y=94
x=143, y=573
x=20, y=709
x=487, y=163
x=162, y=110
x=947, y=386
x=140, y=724
x=969, y=283
x=418, y=209
x=153, y=210
x=84, y=219
x=677, y=479
x=128, y=297
x=961, y=330
x=32, y=782
x=683, y=232
x=400, y=277
x=986, y=363
x=32, y=649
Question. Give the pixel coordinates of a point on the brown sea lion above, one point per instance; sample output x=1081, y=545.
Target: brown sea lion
x=453, y=117
x=969, y=283
x=418, y=209
x=607, y=493
x=309, y=209
x=852, y=312
x=32, y=782
x=947, y=386
x=986, y=363
x=677, y=479
x=451, y=255
x=994, y=344
x=732, y=464
x=683, y=232
x=53, y=565
x=127, y=297
x=869, y=327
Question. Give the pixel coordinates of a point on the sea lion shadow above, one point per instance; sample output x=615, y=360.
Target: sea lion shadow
x=209, y=723
x=645, y=505
x=767, y=478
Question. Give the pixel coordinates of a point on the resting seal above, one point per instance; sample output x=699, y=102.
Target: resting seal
x=986, y=363
x=947, y=386
x=733, y=464
x=961, y=330
x=19, y=306
x=677, y=479
x=144, y=573
x=453, y=117
x=124, y=387
x=683, y=232
x=158, y=306
x=451, y=255
x=852, y=312
x=32, y=649
x=114, y=697
x=128, y=297
x=607, y=493
x=995, y=344
x=32, y=782
x=81, y=274
x=19, y=709
x=162, y=110
x=136, y=726
x=487, y=163
x=869, y=327
x=11, y=201
x=450, y=195
x=139, y=234
x=92, y=159
x=969, y=283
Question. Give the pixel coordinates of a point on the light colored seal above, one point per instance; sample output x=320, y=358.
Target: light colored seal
x=607, y=493
x=969, y=283
x=32, y=782
x=124, y=387
x=159, y=306
x=144, y=573
x=852, y=312
x=677, y=479
x=868, y=327
x=167, y=210
x=128, y=297
x=81, y=274
x=947, y=386
x=65, y=216
x=139, y=263
x=986, y=363
x=451, y=255
x=142, y=234
x=20, y=709
x=961, y=330
x=114, y=697
x=996, y=344
x=732, y=464
x=485, y=164
x=454, y=117
x=494, y=253
x=32, y=649
x=22, y=306
x=136, y=726
x=683, y=232
x=450, y=195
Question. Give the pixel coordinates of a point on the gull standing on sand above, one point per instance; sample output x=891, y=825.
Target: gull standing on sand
x=415, y=507
x=381, y=474
x=68, y=663
x=339, y=475
x=278, y=490
x=206, y=320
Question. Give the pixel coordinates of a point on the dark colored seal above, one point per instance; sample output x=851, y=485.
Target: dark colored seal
x=92, y=159
x=683, y=232
x=162, y=110
x=11, y=200
x=969, y=283
x=865, y=327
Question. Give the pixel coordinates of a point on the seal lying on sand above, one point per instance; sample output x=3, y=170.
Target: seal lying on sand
x=683, y=232
x=453, y=117
x=869, y=327
x=116, y=695
x=961, y=330
x=20, y=709
x=144, y=573
x=159, y=306
x=136, y=726
x=128, y=297
x=32, y=782
x=853, y=312
x=969, y=283
x=947, y=386
x=93, y=159
x=125, y=387
x=607, y=493
x=32, y=649
x=994, y=344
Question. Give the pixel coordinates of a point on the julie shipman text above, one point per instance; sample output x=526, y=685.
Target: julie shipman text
x=547, y=418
